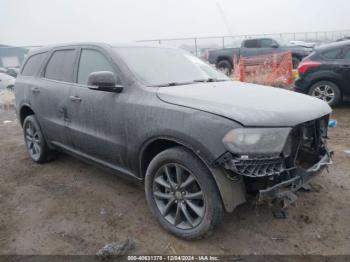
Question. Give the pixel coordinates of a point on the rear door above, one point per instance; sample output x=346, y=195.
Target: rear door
x=25, y=83
x=51, y=94
x=345, y=70
x=97, y=115
x=250, y=47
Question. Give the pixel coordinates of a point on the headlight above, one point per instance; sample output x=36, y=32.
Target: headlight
x=256, y=140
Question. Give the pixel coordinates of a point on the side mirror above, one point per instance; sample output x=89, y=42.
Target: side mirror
x=104, y=81
x=274, y=45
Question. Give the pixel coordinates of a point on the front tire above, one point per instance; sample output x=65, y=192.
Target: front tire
x=35, y=142
x=326, y=91
x=182, y=194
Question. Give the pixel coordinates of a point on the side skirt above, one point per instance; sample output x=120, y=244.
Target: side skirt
x=121, y=172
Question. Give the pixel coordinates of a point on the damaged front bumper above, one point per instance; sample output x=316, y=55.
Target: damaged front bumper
x=278, y=176
x=301, y=178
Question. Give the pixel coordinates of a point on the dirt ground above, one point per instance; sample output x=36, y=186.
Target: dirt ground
x=70, y=207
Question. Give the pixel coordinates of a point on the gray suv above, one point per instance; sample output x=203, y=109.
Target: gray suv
x=199, y=141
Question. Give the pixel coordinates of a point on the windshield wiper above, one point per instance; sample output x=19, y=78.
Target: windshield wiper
x=172, y=84
x=189, y=83
x=209, y=80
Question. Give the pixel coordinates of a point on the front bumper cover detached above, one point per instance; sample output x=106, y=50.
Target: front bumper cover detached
x=301, y=178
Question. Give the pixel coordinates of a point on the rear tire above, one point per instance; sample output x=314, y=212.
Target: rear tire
x=225, y=67
x=35, y=142
x=187, y=210
x=296, y=61
x=10, y=87
x=326, y=91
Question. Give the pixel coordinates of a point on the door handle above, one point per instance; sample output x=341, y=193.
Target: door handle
x=35, y=89
x=75, y=99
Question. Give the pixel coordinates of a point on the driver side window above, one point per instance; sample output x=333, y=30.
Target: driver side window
x=91, y=61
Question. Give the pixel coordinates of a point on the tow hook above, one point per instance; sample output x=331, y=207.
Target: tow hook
x=281, y=203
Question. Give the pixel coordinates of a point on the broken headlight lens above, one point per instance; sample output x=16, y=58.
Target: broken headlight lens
x=256, y=141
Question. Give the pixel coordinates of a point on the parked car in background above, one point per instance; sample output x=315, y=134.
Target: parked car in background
x=12, y=71
x=302, y=43
x=204, y=53
x=223, y=58
x=325, y=73
x=345, y=38
x=159, y=115
x=6, y=81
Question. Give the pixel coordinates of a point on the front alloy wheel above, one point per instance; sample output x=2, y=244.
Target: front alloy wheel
x=182, y=194
x=178, y=196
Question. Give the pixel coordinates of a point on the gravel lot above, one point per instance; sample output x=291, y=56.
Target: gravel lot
x=70, y=207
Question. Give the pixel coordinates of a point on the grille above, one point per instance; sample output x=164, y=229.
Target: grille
x=258, y=167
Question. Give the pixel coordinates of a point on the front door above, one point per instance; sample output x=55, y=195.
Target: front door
x=96, y=115
x=268, y=46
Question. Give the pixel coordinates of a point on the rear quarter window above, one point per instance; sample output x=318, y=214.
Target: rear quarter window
x=33, y=64
x=61, y=65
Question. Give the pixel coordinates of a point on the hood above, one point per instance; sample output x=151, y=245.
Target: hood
x=248, y=104
x=297, y=49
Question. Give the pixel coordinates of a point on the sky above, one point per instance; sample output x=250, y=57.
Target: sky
x=40, y=22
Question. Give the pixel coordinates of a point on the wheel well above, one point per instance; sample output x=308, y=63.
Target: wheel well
x=334, y=81
x=25, y=111
x=153, y=149
x=224, y=58
x=159, y=145
x=297, y=56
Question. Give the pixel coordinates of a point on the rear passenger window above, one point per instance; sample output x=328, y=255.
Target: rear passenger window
x=61, y=65
x=332, y=54
x=33, y=64
x=91, y=61
x=251, y=44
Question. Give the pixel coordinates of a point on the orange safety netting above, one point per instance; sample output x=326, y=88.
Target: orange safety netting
x=272, y=69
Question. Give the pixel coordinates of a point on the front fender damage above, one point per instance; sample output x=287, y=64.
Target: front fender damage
x=232, y=189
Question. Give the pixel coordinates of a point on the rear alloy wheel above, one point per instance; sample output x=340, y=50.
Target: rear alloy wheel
x=35, y=142
x=326, y=91
x=182, y=194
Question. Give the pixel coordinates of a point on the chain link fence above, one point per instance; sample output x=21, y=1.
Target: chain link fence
x=197, y=45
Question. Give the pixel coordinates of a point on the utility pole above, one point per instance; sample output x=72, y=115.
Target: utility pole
x=224, y=18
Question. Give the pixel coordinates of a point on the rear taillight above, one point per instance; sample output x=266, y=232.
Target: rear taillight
x=306, y=65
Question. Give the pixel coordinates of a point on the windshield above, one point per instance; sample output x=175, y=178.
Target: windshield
x=159, y=66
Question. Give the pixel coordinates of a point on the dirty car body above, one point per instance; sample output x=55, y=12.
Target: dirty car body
x=136, y=109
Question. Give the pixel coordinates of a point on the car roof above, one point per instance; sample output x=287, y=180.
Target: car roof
x=48, y=48
x=325, y=47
